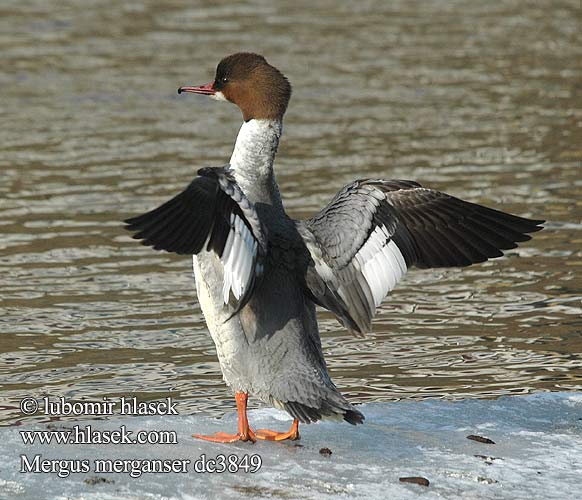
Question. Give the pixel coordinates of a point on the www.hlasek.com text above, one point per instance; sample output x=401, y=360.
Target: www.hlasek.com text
x=89, y=435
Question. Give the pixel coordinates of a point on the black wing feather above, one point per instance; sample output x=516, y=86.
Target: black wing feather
x=180, y=225
x=429, y=228
x=199, y=214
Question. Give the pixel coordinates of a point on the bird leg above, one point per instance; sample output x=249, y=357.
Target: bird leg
x=245, y=433
x=269, y=435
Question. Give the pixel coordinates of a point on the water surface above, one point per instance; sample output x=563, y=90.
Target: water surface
x=480, y=100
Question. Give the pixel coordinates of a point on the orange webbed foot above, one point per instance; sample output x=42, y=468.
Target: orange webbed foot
x=224, y=437
x=269, y=435
x=245, y=433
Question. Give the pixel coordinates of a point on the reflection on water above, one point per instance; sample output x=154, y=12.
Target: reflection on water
x=481, y=100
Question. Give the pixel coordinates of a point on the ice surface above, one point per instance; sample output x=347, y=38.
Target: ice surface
x=537, y=454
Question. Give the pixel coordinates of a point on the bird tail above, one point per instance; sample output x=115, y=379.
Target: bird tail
x=335, y=409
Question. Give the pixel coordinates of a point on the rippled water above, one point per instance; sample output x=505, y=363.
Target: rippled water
x=481, y=100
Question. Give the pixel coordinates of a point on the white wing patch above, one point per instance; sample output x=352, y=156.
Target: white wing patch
x=381, y=263
x=238, y=257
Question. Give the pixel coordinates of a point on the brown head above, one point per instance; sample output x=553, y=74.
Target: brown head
x=249, y=81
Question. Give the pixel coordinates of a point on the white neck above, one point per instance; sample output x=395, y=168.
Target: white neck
x=252, y=160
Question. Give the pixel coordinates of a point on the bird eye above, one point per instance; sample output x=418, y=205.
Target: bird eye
x=224, y=80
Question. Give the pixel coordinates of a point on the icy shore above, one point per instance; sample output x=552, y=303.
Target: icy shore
x=537, y=453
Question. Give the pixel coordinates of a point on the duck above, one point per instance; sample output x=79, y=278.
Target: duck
x=261, y=275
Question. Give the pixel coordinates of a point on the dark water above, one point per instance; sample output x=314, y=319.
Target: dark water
x=483, y=100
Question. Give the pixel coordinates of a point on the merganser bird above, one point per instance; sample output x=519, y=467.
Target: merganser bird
x=259, y=274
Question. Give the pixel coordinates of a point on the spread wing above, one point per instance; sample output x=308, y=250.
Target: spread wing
x=212, y=213
x=373, y=231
